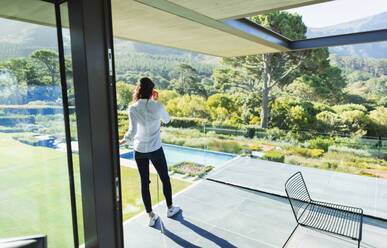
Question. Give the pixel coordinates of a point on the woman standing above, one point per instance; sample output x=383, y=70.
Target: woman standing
x=144, y=131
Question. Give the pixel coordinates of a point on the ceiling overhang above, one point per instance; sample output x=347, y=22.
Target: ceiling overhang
x=165, y=23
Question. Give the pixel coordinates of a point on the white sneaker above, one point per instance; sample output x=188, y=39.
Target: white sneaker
x=172, y=211
x=153, y=220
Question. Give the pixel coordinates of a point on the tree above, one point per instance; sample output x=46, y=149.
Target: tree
x=231, y=78
x=220, y=107
x=187, y=106
x=124, y=94
x=47, y=61
x=347, y=118
x=378, y=118
x=328, y=122
x=187, y=82
x=265, y=71
x=166, y=95
x=325, y=86
x=17, y=68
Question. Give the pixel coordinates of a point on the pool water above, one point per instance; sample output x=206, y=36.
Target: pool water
x=175, y=154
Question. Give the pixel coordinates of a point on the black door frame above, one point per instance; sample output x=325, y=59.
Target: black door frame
x=66, y=112
x=96, y=110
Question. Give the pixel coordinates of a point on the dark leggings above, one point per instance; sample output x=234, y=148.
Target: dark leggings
x=158, y=160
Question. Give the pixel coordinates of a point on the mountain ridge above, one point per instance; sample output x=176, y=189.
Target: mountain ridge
x=370, y=50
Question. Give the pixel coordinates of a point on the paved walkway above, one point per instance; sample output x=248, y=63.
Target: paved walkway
x=359, y=191
x=218, y=215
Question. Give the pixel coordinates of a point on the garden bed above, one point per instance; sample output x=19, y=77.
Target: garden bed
x=190, y=169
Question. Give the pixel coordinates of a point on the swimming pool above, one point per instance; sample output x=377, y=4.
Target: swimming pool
x=175, y=154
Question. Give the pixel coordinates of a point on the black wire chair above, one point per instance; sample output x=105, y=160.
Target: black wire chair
x=333, y=218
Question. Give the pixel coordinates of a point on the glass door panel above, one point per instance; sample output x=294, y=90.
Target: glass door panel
x=34, y=178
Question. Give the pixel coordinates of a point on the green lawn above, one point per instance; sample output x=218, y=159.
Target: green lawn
x=34, y=192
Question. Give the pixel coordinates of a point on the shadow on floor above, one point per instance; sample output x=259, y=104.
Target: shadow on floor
x=198, y=230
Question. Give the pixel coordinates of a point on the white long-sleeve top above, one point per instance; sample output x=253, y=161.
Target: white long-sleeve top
x=144, y=125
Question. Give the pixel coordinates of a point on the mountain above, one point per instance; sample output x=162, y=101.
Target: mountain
x=370, y=50
x=19, y=39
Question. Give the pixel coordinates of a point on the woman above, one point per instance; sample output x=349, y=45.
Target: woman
x=144, y=130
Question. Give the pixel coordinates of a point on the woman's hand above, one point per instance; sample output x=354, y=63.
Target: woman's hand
x=155, y=96
x=122, y=141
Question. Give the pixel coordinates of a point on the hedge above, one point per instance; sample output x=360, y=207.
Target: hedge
x=185, y=122
x=15, y=119
x=34, y=109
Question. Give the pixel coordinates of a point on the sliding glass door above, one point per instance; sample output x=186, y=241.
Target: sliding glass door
x=59, y=167
x=36, y=188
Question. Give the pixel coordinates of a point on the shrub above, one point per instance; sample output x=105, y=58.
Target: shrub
x=186, y=122
x=353, y=151
x=274, y=156
x=43, y=103
x=275, y=133
x=250, y=132
x=305, y=152
x=320, y=143
x=328, y=122
x=123, y=122
x=292, y=160
x=355, y=121
x=349, y=107
x=378, y=121
x=296, y=137
x=229, y=146
x=369, y=162
x=330, y=165
x=254, y=147
x=39, y=118
x=197, y=142
x=169, y=138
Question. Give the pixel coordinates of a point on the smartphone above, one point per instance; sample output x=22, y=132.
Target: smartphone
x=154, y=93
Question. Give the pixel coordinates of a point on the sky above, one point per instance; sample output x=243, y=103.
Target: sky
x=339, y=11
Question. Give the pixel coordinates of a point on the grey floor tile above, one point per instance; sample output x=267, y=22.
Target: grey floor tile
x=342, y=188
x=211, y=217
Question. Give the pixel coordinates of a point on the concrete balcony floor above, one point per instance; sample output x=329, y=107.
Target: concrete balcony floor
x=219, y=215
x=368, y=193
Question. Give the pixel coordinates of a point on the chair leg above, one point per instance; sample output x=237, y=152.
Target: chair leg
x=290, y=235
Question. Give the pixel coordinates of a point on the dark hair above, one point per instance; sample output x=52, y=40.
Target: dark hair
x=143, y=89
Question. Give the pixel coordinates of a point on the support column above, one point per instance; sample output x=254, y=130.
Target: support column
x=94, y=83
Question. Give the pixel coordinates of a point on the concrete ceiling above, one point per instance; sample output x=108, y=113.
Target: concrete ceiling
x=32, y=11
x=197, y=25
x=135, y=21
x=235, y=9
x=201, y=26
